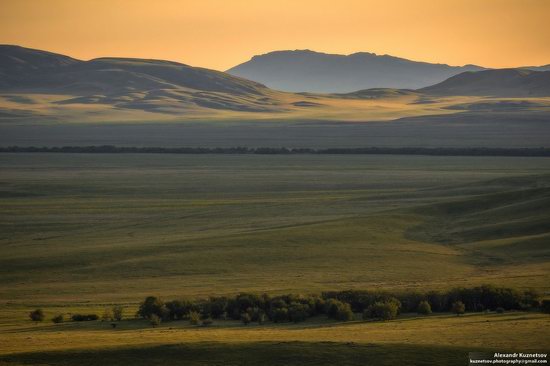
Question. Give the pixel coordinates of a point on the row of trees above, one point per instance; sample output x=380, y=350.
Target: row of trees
x=438, y=151
x=478, y=298
x=339, y=305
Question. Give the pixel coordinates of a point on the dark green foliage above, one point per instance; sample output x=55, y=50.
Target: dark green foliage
x=180, y=309
x=382, y=310
x=279, y=315
x=298, y=312
x=207, y=322
x=545, y=306
x=37, y=315
x=499, y=310
x=424, y=308
x=218, y=307
x=339, y=305
x=153, y=306
x=339, y=310
x=84, y=317
x=58, y=319
x=458, y=307
x=475, y=299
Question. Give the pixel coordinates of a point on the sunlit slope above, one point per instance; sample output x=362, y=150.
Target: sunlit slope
x=495, y=83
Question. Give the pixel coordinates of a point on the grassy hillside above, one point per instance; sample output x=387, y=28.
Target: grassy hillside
x=77, y=227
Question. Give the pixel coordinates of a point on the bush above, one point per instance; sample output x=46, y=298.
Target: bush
x=84, y=318
x=339, y=310
x=118, y=311
x=194, y=318
x=207, y=322
x=545, y=306
x=153, y=306
x=499, y=310
x=155, y=320
x=458, y=308
x=58, y=319
x=382, y=310
x=37, y=315
x=424, y=308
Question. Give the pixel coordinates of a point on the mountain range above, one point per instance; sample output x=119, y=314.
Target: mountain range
x=35, y=83
x=305, y=70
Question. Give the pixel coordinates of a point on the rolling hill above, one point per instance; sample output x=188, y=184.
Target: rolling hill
x=496, y=83
x=150, y=85
x=305, y=70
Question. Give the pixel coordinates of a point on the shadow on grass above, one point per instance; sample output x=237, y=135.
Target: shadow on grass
x=259, y=353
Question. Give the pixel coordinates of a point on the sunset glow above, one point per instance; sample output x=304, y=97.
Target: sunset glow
x=220, y=34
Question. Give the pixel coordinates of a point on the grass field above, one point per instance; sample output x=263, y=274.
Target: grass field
x=81, y=232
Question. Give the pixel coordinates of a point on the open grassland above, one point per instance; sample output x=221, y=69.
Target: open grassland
x=439, y=339
x=80, y=232
x=82, y=228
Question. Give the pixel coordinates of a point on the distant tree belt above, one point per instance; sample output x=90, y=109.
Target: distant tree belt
x=436, y=151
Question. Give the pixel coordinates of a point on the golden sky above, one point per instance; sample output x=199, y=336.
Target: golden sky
x=219, y=34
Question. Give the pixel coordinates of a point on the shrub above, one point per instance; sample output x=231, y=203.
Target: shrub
x=424, y=308
x=153, y=306
x=194, y=318
x=155, y=320
x=58, y=319
x=382, y=310
x=545, y=306
x=84, y=318
x=206, y=322
x=499, y=310
x=458, y=308
x=118, y=311
x=339, y=310
x=37, y=315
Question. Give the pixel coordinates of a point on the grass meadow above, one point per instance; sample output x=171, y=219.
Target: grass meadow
x=81, y=232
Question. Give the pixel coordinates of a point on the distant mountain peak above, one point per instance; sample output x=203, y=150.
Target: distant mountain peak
x=311, y=71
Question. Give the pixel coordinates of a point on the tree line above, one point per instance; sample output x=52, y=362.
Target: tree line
x=436, y=151
x=339, y=305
